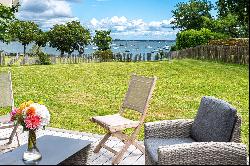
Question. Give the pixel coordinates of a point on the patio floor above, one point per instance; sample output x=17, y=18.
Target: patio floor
x=132, y=157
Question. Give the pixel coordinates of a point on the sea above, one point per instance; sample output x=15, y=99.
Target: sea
x=118, y=46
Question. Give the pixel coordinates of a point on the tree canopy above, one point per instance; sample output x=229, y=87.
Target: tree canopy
x=80, y=35
x=188, y=15
x=102, y=39
x=6, y=16
x=239, y=9
x=69, y=37
x=24, y=32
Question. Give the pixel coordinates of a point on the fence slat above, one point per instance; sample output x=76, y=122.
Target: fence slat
x=228, y=54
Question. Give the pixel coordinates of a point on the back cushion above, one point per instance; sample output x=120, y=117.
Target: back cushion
x=214, y=121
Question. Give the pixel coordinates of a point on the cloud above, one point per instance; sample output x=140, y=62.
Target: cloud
x=123, y=28
x=46, y=13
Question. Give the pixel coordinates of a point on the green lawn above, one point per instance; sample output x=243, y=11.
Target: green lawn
x=74, y=93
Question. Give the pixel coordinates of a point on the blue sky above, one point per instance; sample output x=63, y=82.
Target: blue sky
x=127, y=19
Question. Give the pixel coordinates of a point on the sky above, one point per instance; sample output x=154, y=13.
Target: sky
x=127, y=19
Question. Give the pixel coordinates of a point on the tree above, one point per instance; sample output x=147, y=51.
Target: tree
x=189, y=15
x=69, y=37
x=41, y=38
x=80, y=35
x=24, y=32
x=6, y=16
x=59, y=38
x=238, y=8
x=102, y=39
x=227, y=25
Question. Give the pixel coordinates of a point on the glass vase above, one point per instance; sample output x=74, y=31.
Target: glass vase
x=32, y=154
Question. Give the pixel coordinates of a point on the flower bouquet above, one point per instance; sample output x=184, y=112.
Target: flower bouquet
x=31, y=116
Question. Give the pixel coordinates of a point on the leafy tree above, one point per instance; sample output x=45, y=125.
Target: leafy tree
x=80, y=35
x=227, y=25
x=41, y=38
x=102, y=39
x=59, y=38
x=6, y=16
x=24, y=32
x=238, y=8
x=189, y=15
x=69, y=37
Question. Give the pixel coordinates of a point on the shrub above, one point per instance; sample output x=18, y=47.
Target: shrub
x=230, y=42
x=192, y=38
x=173, y=48
x=43, y=58
x=104, y=55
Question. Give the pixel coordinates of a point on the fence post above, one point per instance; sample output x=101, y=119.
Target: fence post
x=1, y=59
x=148, y=56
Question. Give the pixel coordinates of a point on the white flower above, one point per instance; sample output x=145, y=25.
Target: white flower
x=42, y=111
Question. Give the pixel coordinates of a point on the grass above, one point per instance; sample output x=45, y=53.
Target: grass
x=75, y=93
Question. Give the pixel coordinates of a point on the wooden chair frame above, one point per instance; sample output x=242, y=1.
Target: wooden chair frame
x=127, y=140
x=6, y=118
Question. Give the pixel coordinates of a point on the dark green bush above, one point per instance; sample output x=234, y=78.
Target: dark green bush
x=173, y=48
x=192, y=38
x=43, y=58
x=104, y=55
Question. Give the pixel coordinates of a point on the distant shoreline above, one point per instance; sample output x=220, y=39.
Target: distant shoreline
x=142, y=40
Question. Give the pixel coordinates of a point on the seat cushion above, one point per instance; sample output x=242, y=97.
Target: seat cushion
x=152, y=145
x=115, y=122
x=214, y=121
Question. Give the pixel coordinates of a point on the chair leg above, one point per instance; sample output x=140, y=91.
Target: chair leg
x=118, y=157
x=101, y=143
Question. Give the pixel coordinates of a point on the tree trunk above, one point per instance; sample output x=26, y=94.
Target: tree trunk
x=62, y=52
x=24, y=49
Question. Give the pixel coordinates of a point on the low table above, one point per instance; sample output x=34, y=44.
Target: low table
x=55, y=150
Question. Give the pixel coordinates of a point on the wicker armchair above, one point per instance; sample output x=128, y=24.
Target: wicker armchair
x=212, y=138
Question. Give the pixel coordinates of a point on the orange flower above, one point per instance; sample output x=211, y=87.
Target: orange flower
x=19, y=112
x=25, y=104
x=31, y=111
x=22, y=106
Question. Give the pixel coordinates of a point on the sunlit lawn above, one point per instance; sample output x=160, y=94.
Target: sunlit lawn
x=75, y=93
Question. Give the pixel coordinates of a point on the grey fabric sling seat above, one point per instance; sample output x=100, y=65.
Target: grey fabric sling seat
x=212, y=138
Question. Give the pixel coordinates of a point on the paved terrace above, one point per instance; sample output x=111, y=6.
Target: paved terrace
x=132, y=157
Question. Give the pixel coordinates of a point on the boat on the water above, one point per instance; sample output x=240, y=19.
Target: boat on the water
x=166, y=47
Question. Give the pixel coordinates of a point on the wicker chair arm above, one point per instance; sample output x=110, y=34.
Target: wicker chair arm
x=203, y=153
x=168, y=128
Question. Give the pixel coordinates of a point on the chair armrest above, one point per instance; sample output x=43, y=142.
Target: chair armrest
x=200, y=153
x=168, y=128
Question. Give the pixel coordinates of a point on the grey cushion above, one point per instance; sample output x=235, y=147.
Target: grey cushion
x=152, y=144
x=214, y=121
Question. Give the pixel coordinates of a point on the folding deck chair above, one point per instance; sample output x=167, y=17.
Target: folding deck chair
x=137, y=98
x=7, y=100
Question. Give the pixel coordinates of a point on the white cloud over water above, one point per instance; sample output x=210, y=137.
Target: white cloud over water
x=47, y=13
x=138, y=28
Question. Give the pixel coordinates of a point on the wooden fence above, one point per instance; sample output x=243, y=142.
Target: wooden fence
x=228, y=54
x=86, y=58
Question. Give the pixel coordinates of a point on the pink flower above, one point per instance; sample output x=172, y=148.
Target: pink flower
x=32, y=122
x=13, y=114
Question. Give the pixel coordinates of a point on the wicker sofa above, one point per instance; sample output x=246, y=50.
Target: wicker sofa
x=212, y=138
